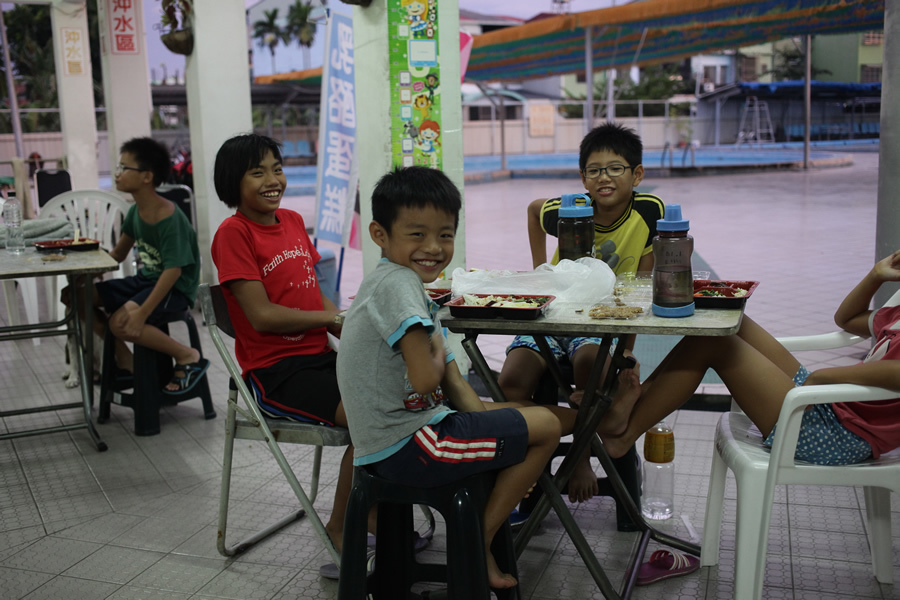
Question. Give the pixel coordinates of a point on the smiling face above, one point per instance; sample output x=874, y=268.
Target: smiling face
x=420, y=239
x=610, y=194
x=261, y=189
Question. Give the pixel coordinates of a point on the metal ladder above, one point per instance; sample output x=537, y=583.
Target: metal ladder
x=756, y=125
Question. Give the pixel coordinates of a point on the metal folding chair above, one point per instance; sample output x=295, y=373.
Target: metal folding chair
x=245, y=421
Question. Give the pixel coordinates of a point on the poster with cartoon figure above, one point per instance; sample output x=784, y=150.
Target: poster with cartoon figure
x=415, y=83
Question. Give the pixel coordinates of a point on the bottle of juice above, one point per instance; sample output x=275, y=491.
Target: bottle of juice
x=673, y=281
x=658, y=495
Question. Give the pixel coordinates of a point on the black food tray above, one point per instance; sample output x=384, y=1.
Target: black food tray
x=725, y=287
x=458, y=308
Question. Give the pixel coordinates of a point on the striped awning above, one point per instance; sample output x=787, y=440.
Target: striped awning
x=656, y=31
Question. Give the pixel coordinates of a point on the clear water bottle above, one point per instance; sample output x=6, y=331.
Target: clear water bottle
x=673, y=281
x=658, y=494
x=575, y=228
x=12, y=216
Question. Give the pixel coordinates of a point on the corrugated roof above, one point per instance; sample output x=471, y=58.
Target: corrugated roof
x=656, y=31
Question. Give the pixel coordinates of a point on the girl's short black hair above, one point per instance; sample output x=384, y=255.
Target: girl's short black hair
x=235, y=158
x=150, y=155
x=413, y=187
x=615, y=138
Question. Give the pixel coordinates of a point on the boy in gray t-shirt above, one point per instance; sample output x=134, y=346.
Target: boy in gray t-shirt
x=399, y=383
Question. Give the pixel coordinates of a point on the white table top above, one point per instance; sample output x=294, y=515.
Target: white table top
x=29, y=264
x=705, y=322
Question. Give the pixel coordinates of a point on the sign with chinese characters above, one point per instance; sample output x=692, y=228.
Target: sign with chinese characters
x=415, y=83
x=124, y=26
x=75, y=50
x=337, y=175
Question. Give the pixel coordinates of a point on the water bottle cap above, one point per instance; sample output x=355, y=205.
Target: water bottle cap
x=568, y=207
x=672, y=220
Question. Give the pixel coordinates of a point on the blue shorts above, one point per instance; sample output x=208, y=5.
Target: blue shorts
x=823, y=440
x=460, y=445
x=561, y=347
x=136, y=288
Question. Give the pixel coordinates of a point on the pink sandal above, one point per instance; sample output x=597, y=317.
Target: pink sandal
x=664, y=564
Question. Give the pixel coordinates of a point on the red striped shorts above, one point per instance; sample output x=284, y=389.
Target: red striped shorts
x=461, y=445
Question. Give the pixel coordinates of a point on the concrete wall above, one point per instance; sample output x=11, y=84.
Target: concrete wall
x=839, y=54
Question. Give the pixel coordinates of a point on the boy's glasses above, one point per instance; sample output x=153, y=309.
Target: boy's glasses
x=120, y=168
x=611, y=170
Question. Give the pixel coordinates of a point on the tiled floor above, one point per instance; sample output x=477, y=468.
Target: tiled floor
x=138, y=521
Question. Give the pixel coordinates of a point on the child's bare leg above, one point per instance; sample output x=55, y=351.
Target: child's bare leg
x=756, y=383
x=582, y=485
x=335, y=525
x=520, y=374
x=752, y=333
x=513, y=482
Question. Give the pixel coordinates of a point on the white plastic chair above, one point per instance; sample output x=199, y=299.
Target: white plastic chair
x=96, y=214
x=738, y=445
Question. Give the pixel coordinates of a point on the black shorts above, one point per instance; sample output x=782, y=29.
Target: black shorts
x=460, y=445
x=303, y=388
x=136, y=288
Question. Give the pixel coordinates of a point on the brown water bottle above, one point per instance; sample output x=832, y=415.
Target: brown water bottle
x=673, y=281
x=575, y=228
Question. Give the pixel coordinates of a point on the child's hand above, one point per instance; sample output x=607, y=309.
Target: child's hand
x=888, y=269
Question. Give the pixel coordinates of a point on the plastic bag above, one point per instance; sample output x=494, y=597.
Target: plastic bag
x=583, y=281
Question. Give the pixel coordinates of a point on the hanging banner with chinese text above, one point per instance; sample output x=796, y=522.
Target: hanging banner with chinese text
x=415, y=83
x=337, y=175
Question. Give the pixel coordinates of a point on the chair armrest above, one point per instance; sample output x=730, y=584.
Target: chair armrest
x=824, y=341
x=796, y=401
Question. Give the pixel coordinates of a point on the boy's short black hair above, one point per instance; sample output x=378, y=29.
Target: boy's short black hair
x=413, y=187
x=236, y=156
x=613, y=137
x=150, y=155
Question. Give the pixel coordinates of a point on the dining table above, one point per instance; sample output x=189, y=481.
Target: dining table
x=78, y=267
x=574, y=320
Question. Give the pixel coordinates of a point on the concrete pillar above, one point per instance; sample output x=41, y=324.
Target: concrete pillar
x=218, y=94
x=126, y=76
x=72, y=57
x=887, y=228
x=370, y=36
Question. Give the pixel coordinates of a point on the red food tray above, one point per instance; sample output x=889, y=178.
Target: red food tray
x=84, y=245
x=725, y=287
x=459, y=308
x=439, y=296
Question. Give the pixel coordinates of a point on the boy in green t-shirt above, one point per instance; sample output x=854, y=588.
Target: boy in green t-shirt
x=167, y=281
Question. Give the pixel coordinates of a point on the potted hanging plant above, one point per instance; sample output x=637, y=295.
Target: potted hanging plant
x=176, y=24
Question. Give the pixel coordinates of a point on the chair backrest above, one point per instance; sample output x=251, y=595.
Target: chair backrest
x=49, y=183
x=183, y=196
x=215, y=311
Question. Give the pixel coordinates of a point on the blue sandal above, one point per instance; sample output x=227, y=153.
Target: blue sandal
x=193, y=372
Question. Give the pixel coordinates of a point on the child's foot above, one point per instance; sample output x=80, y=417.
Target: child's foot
x=615, y=421
x=583, y=482
x=187, y=359
x=497, y=579
x=336, y=536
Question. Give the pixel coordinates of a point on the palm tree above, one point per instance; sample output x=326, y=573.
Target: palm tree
x=267, y=33
x=299, y=27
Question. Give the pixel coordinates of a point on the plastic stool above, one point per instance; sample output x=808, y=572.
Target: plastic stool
x=628, y=467
x=152, y=370
x=462, y=505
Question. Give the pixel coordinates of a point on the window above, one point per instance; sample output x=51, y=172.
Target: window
x=580, y=78
x=869, y=73
x=747, y=68
x=483, y=113
x=873, y=38
x=709, y=74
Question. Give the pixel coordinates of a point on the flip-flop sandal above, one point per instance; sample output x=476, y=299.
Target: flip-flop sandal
x=664, y=564
x=193, y=372
x=330, y=571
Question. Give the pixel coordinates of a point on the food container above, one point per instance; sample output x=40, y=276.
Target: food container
x=83, y=245
x=722, y=293
x=439, y=296
x=459, y=308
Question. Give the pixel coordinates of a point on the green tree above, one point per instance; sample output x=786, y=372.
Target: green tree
x=299, y=27
x=790, y=65
x=268, y=33
x=658, y=82
x=30, y=37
